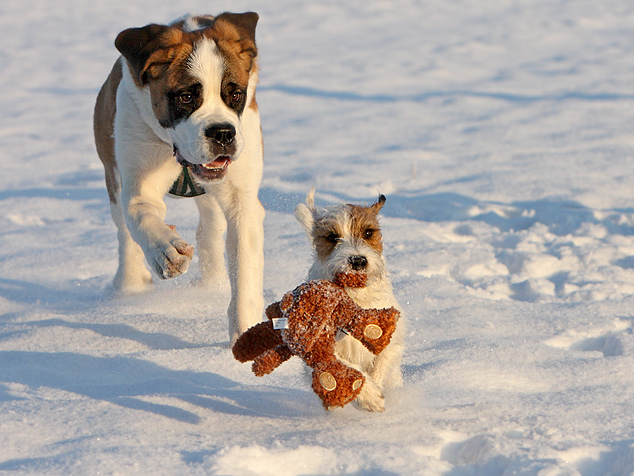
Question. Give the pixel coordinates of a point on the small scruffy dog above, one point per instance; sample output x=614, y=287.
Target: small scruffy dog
x=347, y=238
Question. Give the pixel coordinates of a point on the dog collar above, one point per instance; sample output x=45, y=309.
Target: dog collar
x=185, y=185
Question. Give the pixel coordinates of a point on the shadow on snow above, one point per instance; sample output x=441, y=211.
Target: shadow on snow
x=562, y=217
x=130, y=382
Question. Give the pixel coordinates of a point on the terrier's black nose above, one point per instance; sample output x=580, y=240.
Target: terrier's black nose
x=223, y=134
x=358, y=262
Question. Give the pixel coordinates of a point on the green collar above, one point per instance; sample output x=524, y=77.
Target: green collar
x=185, y=185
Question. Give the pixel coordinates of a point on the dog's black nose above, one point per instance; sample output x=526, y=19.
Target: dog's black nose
x=358, y=262
x=223, y=134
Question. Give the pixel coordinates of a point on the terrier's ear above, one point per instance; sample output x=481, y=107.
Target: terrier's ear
x=310, y=199
x=379, y=203
x=305, y=218
x=305, y=214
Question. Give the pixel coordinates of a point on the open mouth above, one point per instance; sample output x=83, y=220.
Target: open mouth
x=212, y=171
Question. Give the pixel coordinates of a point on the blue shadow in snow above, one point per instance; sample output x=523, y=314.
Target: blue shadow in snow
x=74, y=302
x=76, y=194
x=421, y=97
x=275, y=201
x=68, y=186
x=152, y=340
x=562, y=217
x=28, y=293
x=127, y=381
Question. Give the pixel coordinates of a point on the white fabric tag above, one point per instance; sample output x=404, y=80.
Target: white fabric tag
x=280, y=323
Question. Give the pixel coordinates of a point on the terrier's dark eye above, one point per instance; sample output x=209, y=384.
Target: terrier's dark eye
x=367, y=234
x=332, y=238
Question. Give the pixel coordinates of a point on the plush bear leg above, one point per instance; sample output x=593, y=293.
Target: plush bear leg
x=336, y=384
x=255, y=341
x=270, y=360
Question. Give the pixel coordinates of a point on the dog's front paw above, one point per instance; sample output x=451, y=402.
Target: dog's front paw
x=172, y=258
x=371, y=397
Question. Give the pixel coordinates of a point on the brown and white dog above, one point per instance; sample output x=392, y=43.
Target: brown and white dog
x=348, y=239
x=181, y=100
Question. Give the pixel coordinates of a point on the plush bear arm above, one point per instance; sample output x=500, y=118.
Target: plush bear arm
x=274, y=311
x=270, y=360
x=373, y=327
x=255, y=341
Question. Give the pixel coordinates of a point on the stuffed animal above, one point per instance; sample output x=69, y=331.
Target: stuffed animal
x=305, y=323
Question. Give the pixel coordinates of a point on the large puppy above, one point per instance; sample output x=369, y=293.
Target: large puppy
x=181, y=102
x=347, y=238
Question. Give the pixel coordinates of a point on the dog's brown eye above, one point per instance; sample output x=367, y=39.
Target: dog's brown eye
x=186, y=98
x=367, y=234
x=332, y=238
x=236, y=97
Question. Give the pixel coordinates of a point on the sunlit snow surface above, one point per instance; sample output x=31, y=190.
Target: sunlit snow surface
x=501, y=133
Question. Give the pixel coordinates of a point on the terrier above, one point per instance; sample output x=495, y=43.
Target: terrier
x=348, y=239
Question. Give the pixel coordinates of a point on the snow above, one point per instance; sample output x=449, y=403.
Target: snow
x=501, y=134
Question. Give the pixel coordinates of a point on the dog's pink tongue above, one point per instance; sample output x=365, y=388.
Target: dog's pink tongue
x=218, y=163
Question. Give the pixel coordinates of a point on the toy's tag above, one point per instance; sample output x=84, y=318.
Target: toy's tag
x=280, y=323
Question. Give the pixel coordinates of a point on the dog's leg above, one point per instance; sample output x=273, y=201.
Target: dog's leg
x=132, y=275
x=386, y=371
x=245, y=243
x=353, y=354
x=380, y=371
x=145, y=180
x=371, y=397
x=386, y=368
x=211, y=242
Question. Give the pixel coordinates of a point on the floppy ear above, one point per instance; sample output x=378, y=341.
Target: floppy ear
x=244, y=25
x=245, y=22
x=147, y=49
x=305, y=213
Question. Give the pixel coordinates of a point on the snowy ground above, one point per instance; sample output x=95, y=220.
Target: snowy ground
x=501, y=133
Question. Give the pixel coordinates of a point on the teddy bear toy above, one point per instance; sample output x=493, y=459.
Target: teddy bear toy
x=305, y=323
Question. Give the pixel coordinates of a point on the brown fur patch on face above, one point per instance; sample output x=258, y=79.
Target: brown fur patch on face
x=150, y=49
x=235, y=37
x=164, y=61
x=364, y=225
x=158, y=55
x=360, y=223
x=167, y=77
x=327, y=232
